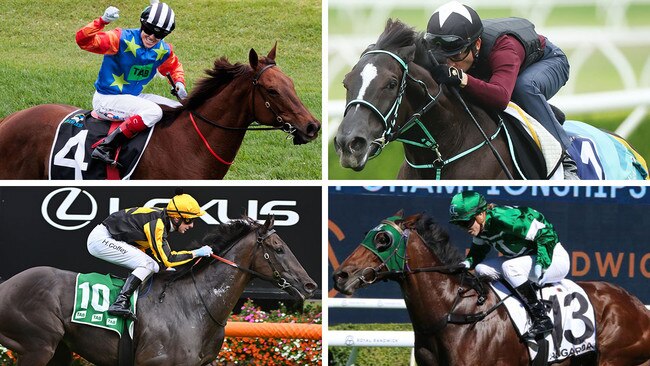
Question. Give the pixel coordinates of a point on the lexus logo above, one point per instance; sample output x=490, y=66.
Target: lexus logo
x=62, y=214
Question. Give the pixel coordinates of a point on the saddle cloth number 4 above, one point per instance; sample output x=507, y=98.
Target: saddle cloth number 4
x=78, y=163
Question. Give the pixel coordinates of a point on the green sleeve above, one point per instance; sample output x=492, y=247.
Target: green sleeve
x=477, y=253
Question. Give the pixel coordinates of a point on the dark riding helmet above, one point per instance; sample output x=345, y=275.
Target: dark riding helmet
x=158, y=19
x=452, y=28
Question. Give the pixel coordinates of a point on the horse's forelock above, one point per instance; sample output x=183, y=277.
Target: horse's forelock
x=437, y=239
x=396, y=35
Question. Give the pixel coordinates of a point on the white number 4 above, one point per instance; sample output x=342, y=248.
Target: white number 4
x=78, y=163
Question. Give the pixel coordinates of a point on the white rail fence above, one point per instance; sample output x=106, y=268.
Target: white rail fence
x=357, y=338
x=581, y=44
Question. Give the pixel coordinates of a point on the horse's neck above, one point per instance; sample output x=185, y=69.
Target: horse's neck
x=456, y=134
x=221, y=285
x=429, y=296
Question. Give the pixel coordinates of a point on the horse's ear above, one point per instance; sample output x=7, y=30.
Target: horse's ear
x=253, y=59
x=268, y=224
x=271, y=54
x=410, y=221
x=399, y=213
x=407, y=53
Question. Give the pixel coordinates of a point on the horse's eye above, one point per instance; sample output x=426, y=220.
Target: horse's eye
x=273, y=92
x=279, y=250
x=392, y=84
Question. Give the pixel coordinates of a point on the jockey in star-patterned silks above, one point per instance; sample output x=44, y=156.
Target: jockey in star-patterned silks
x=530, y=248
x=131, y=59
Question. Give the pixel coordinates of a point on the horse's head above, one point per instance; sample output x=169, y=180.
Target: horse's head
x=274, y=259
x=277, y=103
x=375, y=88
x=382, y=250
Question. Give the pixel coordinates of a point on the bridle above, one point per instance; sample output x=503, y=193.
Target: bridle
x=283, y=126
x=466, y=277
x=392, y=132
x=275, y=279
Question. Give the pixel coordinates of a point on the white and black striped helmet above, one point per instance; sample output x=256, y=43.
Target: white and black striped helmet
x=158, y=19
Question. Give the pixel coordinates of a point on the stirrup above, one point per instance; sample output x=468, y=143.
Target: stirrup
x=98, y=154
x=122, y=312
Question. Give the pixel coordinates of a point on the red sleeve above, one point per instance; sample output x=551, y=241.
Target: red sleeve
x=505, y=59
x=173, y=66
x=92, y=39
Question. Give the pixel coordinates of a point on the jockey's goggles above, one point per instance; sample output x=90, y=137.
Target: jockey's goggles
x=446, y=45
x=159, y=33
x=466, y=224
x=187, y=220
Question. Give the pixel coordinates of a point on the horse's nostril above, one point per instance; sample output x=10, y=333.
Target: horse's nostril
x=357, y=144
x=310, y=287
x=312, y=128
x=342, y=275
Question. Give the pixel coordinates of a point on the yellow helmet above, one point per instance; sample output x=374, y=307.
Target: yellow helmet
x=184, y=206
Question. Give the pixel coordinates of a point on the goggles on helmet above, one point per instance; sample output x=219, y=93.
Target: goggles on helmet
x=446, y=44
x=149, y=29
x=466, y=224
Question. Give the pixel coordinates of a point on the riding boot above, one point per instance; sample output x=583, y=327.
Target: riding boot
x=542, y=324
x=122, y=305
x=126, y=130
x=570, y=168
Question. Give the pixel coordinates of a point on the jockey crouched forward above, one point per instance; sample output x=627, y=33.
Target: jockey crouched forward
x=131, y=59
x=123, y=237
x=530, y=247
x=496, y=60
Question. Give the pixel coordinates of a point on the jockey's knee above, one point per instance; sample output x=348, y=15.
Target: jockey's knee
x=151, y=116
x=514, y=273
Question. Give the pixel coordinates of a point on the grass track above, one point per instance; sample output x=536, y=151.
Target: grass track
x=41, y=63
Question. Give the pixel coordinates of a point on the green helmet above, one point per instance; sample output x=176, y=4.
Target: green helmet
x=466, y=205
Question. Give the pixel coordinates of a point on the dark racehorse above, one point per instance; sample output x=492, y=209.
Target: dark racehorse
x=187, y=328
x=196, y=141
x=430, y=288
x=391, y=96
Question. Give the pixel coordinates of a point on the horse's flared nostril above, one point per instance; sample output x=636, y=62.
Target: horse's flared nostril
x=340, y=276
x=357, y=144
x=312, y=128
x=310, y=287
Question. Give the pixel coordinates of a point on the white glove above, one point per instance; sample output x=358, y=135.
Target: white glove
x=538, y=272
x=466, y=264
x=180, y=90
x=110, y=14
x=203, y=251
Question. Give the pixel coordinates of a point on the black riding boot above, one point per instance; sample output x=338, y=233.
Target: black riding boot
x=104, y=150
x=542, y=324
x=122, y=305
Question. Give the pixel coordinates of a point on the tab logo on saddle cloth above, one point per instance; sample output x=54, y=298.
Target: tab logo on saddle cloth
x=93, y=295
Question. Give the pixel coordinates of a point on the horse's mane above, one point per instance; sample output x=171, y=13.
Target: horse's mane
x=222, y=73
x=220, y=239
x=223, y=236
x=437, y=240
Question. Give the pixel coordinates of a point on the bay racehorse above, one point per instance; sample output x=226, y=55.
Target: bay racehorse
x=198, y=140
x=429, y=280
x=187, y=328
x=391, y=96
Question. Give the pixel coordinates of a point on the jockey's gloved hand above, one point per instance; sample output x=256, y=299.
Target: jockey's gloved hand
x=538, y=272
x=180, y=90
x=110, y=14
x=466, y=264
x=447, y=75
x=203, y=251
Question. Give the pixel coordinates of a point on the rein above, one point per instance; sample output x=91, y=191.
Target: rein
x=392, y=132
x=276, y=279
x=449, y=269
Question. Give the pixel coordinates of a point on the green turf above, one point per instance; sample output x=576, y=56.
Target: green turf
x=41, y=63
x=597, y=75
